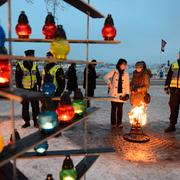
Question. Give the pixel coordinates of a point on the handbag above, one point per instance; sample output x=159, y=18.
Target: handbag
x=147, y=98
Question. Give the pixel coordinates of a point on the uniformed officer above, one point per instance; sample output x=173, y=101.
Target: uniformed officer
x=27, y=77
x=55, y=74
x=172, y=86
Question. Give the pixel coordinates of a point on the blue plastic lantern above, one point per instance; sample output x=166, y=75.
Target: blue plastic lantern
x=49, y=89
x=2, y=36
x=47, y=121
x=41, y=149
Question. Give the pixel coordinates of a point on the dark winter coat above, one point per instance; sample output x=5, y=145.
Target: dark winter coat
x=140, y=84
x=91, y=77
x=19, y=75
x=72, y=84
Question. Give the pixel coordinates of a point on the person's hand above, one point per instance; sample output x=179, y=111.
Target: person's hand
x=124, y=98
x=166, y=90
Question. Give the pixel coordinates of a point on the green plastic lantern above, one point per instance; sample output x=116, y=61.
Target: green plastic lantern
x=60, y=46
x=79, y=104
x=68, y=171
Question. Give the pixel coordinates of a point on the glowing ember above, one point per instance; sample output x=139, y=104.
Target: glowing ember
x=138, y=116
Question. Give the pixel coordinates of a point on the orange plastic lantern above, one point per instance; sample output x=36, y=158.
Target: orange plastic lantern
x=65, y=111
x=4, y=70
x=60, y=46
x=1, y=143
x=49, y=28
x=109, y=31
x=23, y=28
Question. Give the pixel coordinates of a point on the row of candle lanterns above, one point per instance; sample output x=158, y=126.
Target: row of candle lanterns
x=23, y=29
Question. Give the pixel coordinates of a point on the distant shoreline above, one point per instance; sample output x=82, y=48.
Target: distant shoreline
x=154, y=82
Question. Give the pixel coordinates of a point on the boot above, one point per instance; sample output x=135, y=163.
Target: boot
x=26, y=124
x=171, y=128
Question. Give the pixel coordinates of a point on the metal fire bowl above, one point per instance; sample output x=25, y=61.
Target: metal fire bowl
x=136, y=137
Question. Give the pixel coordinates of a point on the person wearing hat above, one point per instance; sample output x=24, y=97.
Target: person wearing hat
x=172, y=87
x=27, y=77
x=91, y=86
x=72, y=84
x=140, y=84
x=55, y=74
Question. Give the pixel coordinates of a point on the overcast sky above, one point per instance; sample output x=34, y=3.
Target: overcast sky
x=140, y=24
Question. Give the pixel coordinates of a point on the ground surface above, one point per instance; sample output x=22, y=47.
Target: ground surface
x=157, y=159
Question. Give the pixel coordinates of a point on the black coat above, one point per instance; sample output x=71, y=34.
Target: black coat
x=19, y=75
x=72, y=84
x=91, y=77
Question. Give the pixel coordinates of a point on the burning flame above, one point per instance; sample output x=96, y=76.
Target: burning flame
x=138, y=115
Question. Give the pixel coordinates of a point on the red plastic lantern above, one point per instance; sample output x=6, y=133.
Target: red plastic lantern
x=23, y=28
x=49, y=28
x=65, y=111
x=109, y=31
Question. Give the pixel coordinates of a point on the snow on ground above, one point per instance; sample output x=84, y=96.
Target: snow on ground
x=157, y=159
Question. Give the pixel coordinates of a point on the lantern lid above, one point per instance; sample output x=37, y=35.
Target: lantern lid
x=78, y=94
x=60, y=33
x=23, y=18
x=3, y=50
x=68, y=163
x=109, y=20
x=49, y=18
x=65, y=99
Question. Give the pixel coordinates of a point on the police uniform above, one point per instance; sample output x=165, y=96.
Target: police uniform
x=172, y=84
x=27, y=77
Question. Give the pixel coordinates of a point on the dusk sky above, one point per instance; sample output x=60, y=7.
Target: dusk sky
x=140, y=24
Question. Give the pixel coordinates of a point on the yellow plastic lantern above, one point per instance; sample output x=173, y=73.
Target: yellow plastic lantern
x=1, y=143
x=60, y=48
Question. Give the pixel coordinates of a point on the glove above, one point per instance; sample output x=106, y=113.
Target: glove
x=166, y=90
x=124, y=98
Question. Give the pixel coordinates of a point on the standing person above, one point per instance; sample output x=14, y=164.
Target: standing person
x=172, y=86
x=91, y=80
x=118, y=85
x=72, y=84
x=55, y=74
x=140, y=84
x=27, y=77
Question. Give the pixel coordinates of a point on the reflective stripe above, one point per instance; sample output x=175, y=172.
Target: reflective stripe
x=29, y=77
x=52, y=72
x=174, y=80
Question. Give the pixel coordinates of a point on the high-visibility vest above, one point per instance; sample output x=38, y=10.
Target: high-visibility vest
x=29, y=77
x=175, y=80
x=52, y=72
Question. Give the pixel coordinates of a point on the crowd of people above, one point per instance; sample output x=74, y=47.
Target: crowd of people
x=119, y=86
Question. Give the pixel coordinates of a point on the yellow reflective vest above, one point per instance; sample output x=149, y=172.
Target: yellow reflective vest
x=175, y=81
x=29, y=77
x=52, y=72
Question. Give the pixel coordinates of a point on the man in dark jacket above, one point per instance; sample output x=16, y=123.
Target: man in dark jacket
x=27, y=77
x=172, y=86
x=57, y=75
x=91, y=86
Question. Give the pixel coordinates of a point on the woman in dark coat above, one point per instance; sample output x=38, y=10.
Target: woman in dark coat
x=140, y=84
x=72, y=84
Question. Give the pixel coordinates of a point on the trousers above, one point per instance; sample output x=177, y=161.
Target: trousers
x=116, y=113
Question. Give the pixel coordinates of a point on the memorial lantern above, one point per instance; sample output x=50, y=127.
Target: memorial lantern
x=48, y=88
x=109, y=31
x=2, y=37
x=1, y=143
x=68, y=172
x=78, y=103
x=47, y=121
x=49, y=28
x=60, y=46
x=65, y=111
x=23, y=29
x=41, y=149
